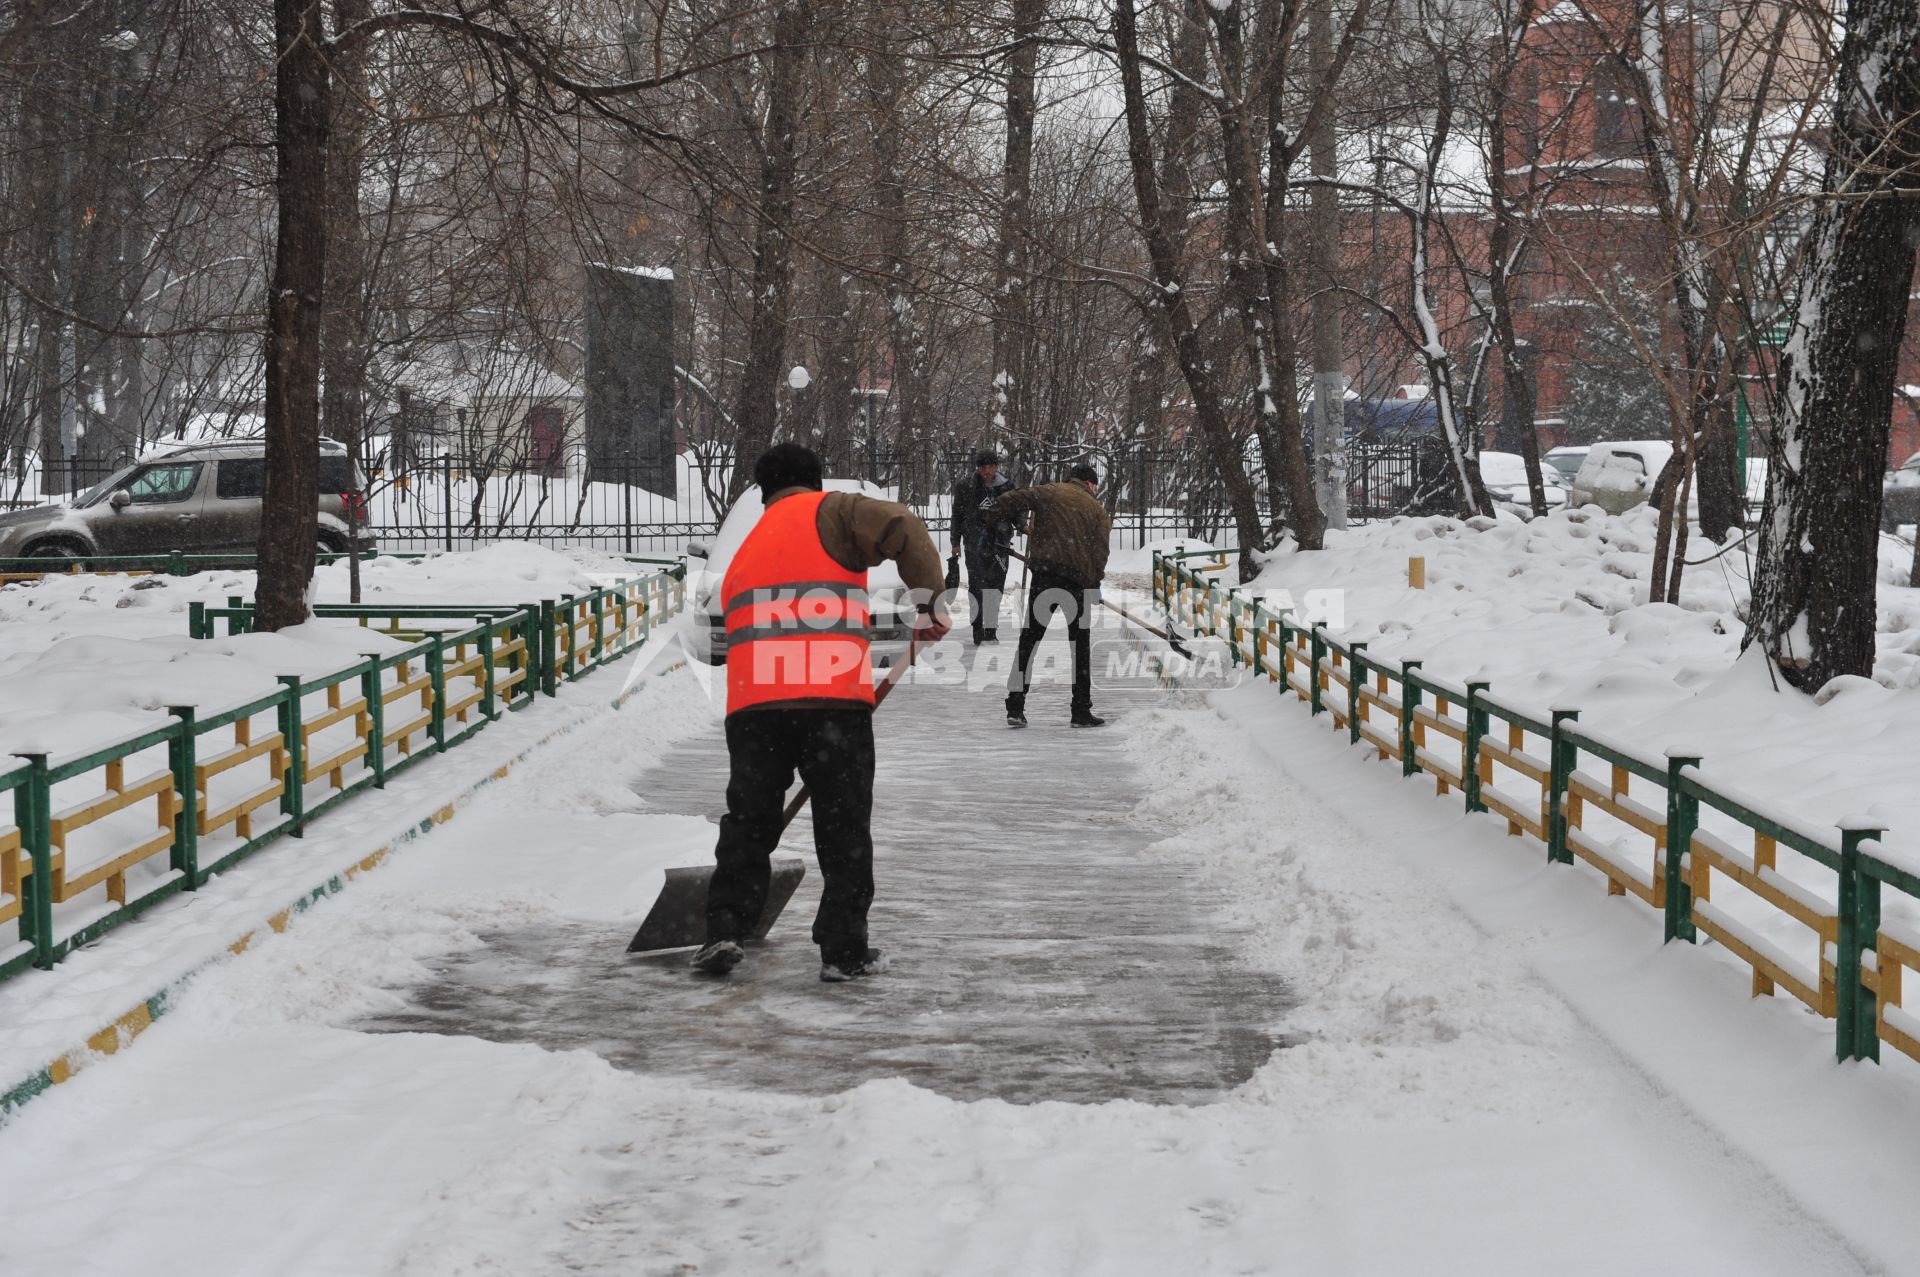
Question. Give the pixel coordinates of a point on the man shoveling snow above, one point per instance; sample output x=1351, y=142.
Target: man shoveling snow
x=800, y=697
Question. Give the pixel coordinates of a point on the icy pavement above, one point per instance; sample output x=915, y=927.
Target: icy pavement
x=1133, y=913
x=1039, y=951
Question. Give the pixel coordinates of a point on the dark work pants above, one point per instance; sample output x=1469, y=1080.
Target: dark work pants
x=832, y=749
x=1049, y=593
x=986, y=578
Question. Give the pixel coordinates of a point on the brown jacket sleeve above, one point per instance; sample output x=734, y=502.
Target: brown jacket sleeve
x=1012, y=507
x=862, y=532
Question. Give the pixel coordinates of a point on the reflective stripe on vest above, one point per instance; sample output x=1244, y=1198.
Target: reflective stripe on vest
x=797, y=622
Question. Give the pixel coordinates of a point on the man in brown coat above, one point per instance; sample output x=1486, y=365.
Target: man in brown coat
x=1067, y=551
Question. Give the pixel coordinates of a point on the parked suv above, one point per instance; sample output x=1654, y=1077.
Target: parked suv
x=198, y=498
x=1619, y=476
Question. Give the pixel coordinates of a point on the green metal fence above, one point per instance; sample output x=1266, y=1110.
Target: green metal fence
x=100, y=837
x=1586, y=796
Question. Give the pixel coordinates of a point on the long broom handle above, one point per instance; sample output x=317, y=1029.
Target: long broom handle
x=1163, y=635
x=799, y=800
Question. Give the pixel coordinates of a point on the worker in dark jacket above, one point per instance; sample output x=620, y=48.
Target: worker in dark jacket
x=985, y=545
x=800, y=698
x=1067, y=550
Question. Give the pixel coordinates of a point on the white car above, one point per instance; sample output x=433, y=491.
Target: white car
x=1619, y=476
x=1564, y=463
x=1505, y=475
x=889, y=605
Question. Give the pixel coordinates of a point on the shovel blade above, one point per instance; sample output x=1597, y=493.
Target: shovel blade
x=678, y=919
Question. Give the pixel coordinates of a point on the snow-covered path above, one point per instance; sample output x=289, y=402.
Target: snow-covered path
x=1137, y=913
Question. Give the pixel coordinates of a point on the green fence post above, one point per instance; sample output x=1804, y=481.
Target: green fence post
x=549, y=648
x=1683, y=817
x=234, y=617
x=530, y=654
x=599, y=652
x=1409, y=705
x=183, y=762
x=177, y=564
x=1856, y=1029
x=488, y=709
x=372, y=693
x=1477, y=725
x=1356, y=679
x=36, y=835
x=568, y=602
x=437, y=682
x=197, y=619
x=293, y=803
x=1560, y=759
x=1316, y=652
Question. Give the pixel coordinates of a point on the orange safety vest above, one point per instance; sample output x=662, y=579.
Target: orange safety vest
x=796, y=620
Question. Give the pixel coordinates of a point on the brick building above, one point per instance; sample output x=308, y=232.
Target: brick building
x=1577, y=166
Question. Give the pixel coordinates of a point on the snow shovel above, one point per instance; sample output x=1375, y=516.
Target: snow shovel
x=678, y=919
x=1166, y=636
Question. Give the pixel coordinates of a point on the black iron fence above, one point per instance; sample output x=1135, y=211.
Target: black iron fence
x=1155, y=494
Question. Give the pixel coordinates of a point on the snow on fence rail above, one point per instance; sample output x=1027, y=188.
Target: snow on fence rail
x=1706, y=855
x=98, y=838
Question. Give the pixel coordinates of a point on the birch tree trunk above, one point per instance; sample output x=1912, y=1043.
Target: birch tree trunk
x=1433, y=350
x=1815, y=583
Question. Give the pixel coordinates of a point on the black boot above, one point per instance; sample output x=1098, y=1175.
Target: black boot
x=1016, y=711
x=718, y=957
x=988, y=636
x=839, y=970
x=1085, y=718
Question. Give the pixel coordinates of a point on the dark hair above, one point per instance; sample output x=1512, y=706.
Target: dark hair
x=986, y=457
x=1085, y=474
x=787, y=465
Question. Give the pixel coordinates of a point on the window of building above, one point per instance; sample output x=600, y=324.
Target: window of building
x=1616, y=117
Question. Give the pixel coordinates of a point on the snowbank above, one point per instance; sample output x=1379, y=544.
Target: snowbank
x=1553, y=613
x=89, y=660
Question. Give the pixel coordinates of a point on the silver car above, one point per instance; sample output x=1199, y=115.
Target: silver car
x=197, y=498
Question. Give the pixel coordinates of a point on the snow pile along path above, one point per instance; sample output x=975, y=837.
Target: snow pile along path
x=86, y=661
x=1553, y=613
x=1438, y=1107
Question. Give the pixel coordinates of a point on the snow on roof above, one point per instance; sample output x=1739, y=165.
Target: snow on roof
x=1395, y=156
x=664, y=273
x=460, y=376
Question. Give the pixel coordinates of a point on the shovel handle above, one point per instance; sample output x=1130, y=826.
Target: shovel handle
x=1165, y=636
x=887, y=684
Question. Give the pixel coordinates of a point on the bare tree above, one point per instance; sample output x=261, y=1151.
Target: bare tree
x=1814, y=587
x=772, y=250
